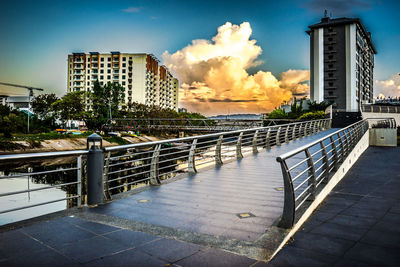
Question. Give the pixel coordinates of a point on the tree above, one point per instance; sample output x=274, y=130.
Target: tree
x=314, y=106
x=296, y=110
x=106, y=101
x=41, y=105
x=277, y=114
x=70, y=107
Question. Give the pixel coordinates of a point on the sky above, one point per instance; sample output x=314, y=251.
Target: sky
x=230, y=56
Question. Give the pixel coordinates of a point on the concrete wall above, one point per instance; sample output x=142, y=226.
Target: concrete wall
x=382, y=137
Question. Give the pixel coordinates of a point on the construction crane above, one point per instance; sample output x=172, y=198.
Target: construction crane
x=30, y=88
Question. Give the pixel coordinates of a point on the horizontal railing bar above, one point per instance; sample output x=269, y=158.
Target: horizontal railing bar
x=302, y=193
x=134, y=182
x=36, y=189
x=43, y=155
x=302, y=183
x=302, y=202
x=301, y=173
x=36, y=173
x=38, y=204
x=195, y=137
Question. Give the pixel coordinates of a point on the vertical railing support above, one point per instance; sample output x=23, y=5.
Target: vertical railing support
x=79, y=180
x=325, y=160
x=255, y=150
x=191, y=160
x=294, y=131
x=346, y=139
x=287, y=133
x=268, y=139
x=218, y=158
x=289, y=205
x=107, y=194
x=278, y=136
x=335, y=155
x=239, y=154
x=311, y=173
x=154, y=172
x=305, y=129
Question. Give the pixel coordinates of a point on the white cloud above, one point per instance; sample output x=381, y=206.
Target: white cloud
x=214, y=78
x=132, y=9
x=389, y=87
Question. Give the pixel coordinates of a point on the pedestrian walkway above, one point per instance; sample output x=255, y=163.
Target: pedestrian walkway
x=359, y=222
x=223, y=217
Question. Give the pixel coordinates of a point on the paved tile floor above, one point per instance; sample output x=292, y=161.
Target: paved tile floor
x=359, y=222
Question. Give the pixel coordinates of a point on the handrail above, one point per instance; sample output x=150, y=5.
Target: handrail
x=313, y=170
x=43, y=155
x=191, y=138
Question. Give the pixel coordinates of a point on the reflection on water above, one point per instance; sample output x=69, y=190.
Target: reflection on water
x=33, y=182
x=9, y=202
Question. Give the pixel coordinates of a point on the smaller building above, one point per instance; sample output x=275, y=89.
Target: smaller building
x=18, y=102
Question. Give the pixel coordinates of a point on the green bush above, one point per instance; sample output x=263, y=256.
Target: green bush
x=277, y=114
x=312, y=116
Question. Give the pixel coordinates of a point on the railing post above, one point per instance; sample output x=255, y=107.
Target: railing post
x=335, y=155
x=95, y=167
x=294, y=131
x=268, y=139
x=278, y=136
x=346, y=139
x=325, y=160
x=191, y=161
x=154, y=173
x=287, y=219
x=311, y=174
x=305, y=129
x=239, y=154
x=218, y=158
x=107, y=193
x=255, y=150
x=287, y=133
x=79, y=180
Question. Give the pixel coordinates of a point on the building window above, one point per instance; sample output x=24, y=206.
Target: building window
x=123, y=83
x=101, y=71
x=330, y=74
x=88, y=83
x=109, y=77
x=88, y=77
x=101, y=77
x=102, y=59
x=108, y=71
x=88, y=65
x=124, y=59
x=330, y=29
x=123, y=70
x=88, y=71
x=330, y=57
x=330, y=66
x=101, y=65
x=123, y=77
x=108, y=59
x=123, y=65
x=330, y=39
x=330, y=48
x=109, y=65
x=101, y=83
x=330, y=84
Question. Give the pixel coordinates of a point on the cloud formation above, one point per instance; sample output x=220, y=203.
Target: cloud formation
x=338, y=7
x=132, y=9
x=389, y=87
x=214, y=79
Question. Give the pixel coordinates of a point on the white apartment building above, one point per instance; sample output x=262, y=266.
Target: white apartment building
x=145, y=81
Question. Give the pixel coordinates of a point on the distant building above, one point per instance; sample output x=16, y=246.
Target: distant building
x=342, y=63
x=144, y=80
x=18, y=102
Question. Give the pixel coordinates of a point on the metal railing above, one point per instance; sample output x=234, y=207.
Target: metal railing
x=308, y=169
x=381, y=109
x=78, y=169
x=151, y=162
x=124, y=167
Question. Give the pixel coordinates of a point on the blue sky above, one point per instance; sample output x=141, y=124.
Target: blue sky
x=37, y=36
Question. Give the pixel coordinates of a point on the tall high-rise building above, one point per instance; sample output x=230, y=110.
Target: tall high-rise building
x=144, y=80
x=342, y=63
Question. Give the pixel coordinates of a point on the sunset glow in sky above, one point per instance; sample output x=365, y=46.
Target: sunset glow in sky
x=230, y=56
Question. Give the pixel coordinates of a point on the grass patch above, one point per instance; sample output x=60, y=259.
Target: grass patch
x=116, y=139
